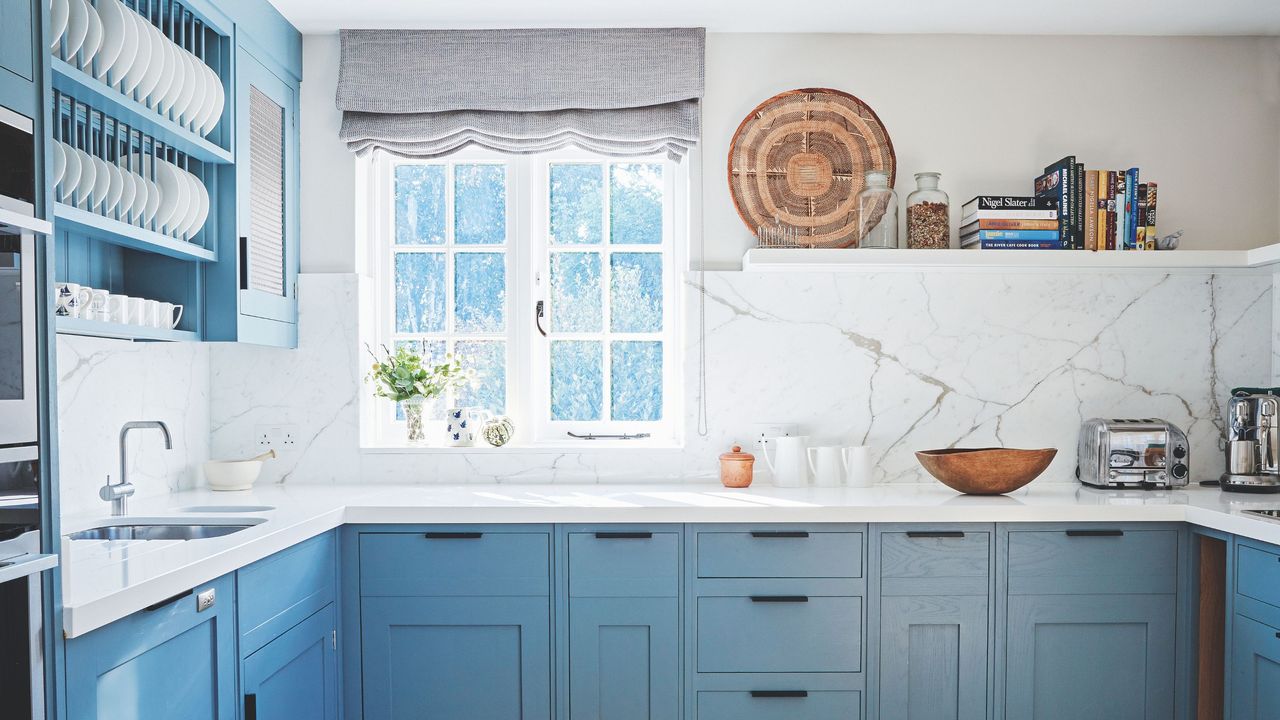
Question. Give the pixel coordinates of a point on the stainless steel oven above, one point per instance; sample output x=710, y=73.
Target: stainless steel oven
x=19, y=430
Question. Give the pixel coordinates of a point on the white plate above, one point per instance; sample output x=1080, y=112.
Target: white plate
x=128, y=194
x=115, y=189
x=139, y=207
x=179, y=79
x=77, y=28
x=190, y=224
x=59, y=163
x=202, y=205
x=141, y=40
x=101, y=185
x=209, y=80
x=84, y=187
x=111, y=12
x=153, y=67
x=190, y=91
x=175, y=196
x=195, y=112
x=59, y=13
x=92, y=38
x=66, y=191
x=219, y=101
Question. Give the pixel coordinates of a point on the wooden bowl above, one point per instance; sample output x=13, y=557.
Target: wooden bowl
x=985, y=471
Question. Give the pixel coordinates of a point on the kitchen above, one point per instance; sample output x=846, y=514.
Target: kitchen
x=385, y=361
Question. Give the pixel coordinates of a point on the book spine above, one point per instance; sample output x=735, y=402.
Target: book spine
x=1131, y=210
x=1151, y=216
x=1008, y=202
x=1009, y=215
x=1013, y=245
x=1052, y=186
x=1141, y=222
x=1111, y=209
x=1079, y=208
x=1016, y=235
x=1122, y=217
x=1003, y=224
x=1091, y=212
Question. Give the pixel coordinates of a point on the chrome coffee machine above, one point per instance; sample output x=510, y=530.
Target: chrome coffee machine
x=1253, y=441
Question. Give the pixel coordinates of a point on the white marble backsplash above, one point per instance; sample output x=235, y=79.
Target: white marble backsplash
x=897, y=361
x=102, y=384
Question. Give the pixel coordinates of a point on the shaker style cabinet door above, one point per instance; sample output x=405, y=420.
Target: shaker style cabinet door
x=169, y=661
x=456, y=658
x=1255, y=670
x=1090, y=656
x=624, y=658
x=296, y=675
x=933, y=658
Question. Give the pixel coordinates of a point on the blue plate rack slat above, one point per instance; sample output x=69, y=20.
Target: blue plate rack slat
x=125, y=235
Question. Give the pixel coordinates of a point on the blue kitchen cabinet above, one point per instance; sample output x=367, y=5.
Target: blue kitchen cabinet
x=1255, y=670
x=933, y=658
x=19, y=80
x=296, y=674
x=175, y=659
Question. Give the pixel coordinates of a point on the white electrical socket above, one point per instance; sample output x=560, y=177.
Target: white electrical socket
x=762, y=432
x=281, y=438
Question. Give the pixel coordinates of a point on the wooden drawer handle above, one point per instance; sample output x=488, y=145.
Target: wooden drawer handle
x=779, y=534
x=779, y=598
x=934, y=534
x=156, y=606
x=624, y=536
x=453, y=535
x=779, y=693
x=1095, y=533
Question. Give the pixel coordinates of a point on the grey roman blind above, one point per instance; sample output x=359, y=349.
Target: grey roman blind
x=265, y=253
x=426, y=93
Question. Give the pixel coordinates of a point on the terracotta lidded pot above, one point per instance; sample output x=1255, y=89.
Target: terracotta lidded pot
x=736, y=468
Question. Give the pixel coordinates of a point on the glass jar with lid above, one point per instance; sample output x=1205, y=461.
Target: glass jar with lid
x=878, y=212
x=928, y=214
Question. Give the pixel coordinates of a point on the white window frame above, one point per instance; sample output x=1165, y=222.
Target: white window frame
x=528, y=281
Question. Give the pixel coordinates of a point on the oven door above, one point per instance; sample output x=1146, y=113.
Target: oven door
x=18, y=424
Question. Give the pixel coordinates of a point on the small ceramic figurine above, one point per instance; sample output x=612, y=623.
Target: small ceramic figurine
x=1169, y=242
x=736, y=468
x=497, y=431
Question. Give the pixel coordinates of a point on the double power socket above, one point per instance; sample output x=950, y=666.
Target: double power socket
x=281, y=438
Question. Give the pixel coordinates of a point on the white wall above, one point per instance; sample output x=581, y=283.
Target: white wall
x=1201, y=116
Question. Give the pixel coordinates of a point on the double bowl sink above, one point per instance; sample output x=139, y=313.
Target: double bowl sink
x=174, y=528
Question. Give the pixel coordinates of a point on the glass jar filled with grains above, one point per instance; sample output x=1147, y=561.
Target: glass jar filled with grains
x=877, y=212
x=928, y=214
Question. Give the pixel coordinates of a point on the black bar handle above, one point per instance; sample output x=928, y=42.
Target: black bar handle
x=166, y=601
x=1095, y=533
x=780, y=598
x=779, y=693
x=453, y=535
x=934, y=534
x=779, y=534
x=624, y=536
x=250, y=706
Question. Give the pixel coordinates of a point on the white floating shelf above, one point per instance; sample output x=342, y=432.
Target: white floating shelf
x=95, y=328
x=855, y=260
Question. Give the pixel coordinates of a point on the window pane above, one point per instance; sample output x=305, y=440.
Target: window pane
x=577, y=379
x=635, y=203
x=577, y=209
x=636, y=375
x=576, y=302
x=480, y=204
x=489, y=359
x=420, y=210
x=480, y=291
x=635, y=295
x=420, y=292
x=432, y=352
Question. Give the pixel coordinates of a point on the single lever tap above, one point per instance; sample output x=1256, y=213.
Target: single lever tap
x=118, y=494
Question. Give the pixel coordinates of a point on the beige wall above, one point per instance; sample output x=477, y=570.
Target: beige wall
x=1201, y=116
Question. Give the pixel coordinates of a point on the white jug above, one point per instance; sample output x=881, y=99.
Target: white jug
x=857, y=466
x=792, y=466
x=827, y=464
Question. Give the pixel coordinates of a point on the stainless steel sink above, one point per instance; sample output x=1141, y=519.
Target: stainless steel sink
x=164, y=530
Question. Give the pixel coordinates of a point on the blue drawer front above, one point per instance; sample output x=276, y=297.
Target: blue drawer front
x=1093, y=561
x=766, y=553
x=453, y=562
x=1258, y=574
x=624, y=564
x=741, y=635
x=278, y=592
x=779, y=704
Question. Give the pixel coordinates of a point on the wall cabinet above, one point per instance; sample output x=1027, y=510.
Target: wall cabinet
x=19, y=89
x=172, y=660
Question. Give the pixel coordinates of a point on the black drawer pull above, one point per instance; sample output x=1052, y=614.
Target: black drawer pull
x=250, y=706
x=624, y=536
x=1095, y=533
x=779, y=598
x=934, y=534
x=453, y=535
x=779, y=534
x=1278, y=636
x=156, y=606
x=779, y=693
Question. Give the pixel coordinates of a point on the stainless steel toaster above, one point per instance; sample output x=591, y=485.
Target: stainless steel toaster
x=1132, y=453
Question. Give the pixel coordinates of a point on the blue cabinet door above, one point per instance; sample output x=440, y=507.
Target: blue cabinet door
x=170, y=661
x=1090, y=656
x=933, y=658
x=624, y=658
x=1255, y=670
x=456, y=658
x=295, y=675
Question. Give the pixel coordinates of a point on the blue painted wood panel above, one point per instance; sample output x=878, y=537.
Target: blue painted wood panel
x=1090, y=656
x=1258, y=574
x=788, y=704
x=742, y=635
x=624, y=658
x=455, y=561
x=170, y=662
x=294, y=676
x=933, y=658
x=768, y=552
x=278, y=592
x=624, y=564
x=1059, y=561
x=456, y=658
x=1255, y=670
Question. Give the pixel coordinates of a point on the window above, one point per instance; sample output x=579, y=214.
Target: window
x=554, y=276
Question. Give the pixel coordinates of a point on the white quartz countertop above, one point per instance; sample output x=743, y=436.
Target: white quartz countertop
x=107, y=580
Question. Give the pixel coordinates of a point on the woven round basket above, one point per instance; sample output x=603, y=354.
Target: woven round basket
x=799, y=160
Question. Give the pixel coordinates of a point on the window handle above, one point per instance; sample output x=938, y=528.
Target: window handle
x=539, y=312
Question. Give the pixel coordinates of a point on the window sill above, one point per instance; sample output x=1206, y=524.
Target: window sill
x=585, y=446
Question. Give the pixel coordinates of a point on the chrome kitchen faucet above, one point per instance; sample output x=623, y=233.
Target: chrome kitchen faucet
x=118, y=494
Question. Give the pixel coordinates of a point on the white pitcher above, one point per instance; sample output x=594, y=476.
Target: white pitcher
x=792, y=466
x=857, y=466
x=827, y=464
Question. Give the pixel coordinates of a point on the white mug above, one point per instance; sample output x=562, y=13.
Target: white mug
x=792, y=467
x=151, y=314
x=118, y=308
x=827, y=464
x=97, y=307
x=70, y=298
x=462, y=425
x=168, y=320
x=137, y=311
x=857, y=465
